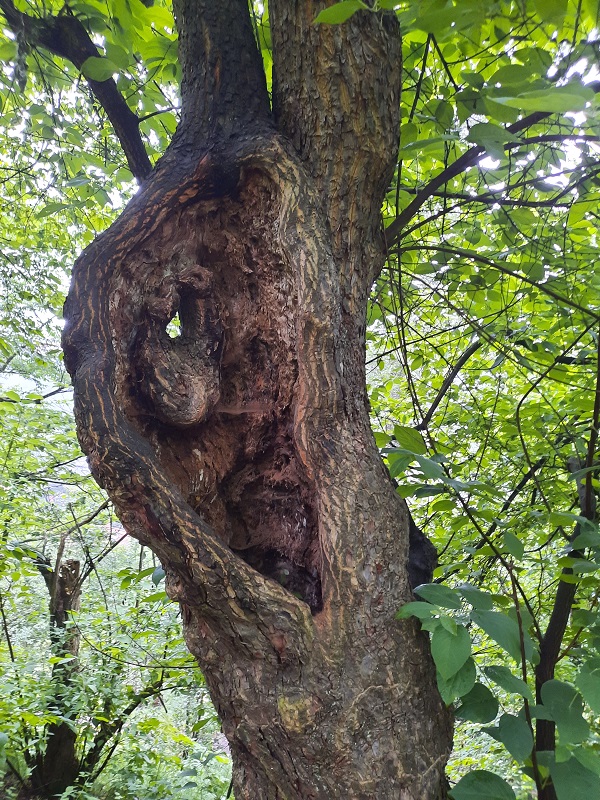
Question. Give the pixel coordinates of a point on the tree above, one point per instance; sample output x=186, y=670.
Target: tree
x=241, y=451
x=215, y=335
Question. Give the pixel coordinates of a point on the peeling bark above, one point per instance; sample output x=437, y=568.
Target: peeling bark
x=240, y=449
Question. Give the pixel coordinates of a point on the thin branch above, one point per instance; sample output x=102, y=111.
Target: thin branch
x=421, y=76
x=474, y=256
x=468, y=159
x=393, y=231
x=448, y=381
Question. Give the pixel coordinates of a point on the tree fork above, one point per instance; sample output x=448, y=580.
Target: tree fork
x=238, y=447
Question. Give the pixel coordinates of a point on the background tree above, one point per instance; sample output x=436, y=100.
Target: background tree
x=256, y=418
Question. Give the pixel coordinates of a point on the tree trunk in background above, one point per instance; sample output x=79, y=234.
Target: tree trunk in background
x=57, y=767
x=239, y=448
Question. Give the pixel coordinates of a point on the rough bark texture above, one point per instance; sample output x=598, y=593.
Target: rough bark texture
x=240, y=449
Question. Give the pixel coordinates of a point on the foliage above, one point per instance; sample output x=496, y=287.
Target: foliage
x=482, y=341
x=488, y=312
x=129, y=653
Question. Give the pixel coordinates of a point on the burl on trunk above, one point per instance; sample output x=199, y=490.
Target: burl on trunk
x=215, y=335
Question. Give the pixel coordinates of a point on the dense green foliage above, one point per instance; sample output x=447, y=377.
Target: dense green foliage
x=484, y=380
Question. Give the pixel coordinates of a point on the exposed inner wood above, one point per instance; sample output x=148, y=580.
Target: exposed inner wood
x=217, y=400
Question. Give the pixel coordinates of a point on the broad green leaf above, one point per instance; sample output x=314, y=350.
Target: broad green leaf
x=589, y=759
x=339, y=12
x=513, y=545
x=459, y=684
x=156, y=597
x=410, y=439
x=555, y=99
x=51, y=208
x=450, y=651
x=98, y=69
x=573, y=781
x=492, y=137
x=439, y=595
x=479, y=705
x=482, y=785
x=502, y=629
x=449, y=624
x=502, y=676
x=158, y=575
x=515, y=734
x=416, y=609
x=482, y=601
x=551, y=10
x=588, y=683
x=511, y=74
x=566, y=706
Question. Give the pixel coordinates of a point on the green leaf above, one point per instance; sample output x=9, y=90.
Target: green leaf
x=504, y=678
x=158, y=575
x=156, y=597
x=572, y=781
x=410, y=439
x=98, y=69
x=515, y=734
x=339, y=12
x=475, y=597
x=459, y=684
x=439, y=595
x=117, y=55
x=450, y=651
x=554, y=99
x=479, y=705
x=513, y=545
x=482, y=785
x=502, y=629
x=51, y=208
x=511, y=74
x=564, y=702
x=416, y=609
x=492, y=137
x=551, y=10
x=588, y=683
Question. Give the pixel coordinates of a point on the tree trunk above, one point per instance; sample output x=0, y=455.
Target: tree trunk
x=239, y=449
x=57, y=766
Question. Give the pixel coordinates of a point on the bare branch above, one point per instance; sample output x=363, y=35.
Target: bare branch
x=448, y=381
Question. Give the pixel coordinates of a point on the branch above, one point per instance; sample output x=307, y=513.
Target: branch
x=474, y=256
x=565, y=594
x=110, y=728
x=448, y=381
x=223, y=85
x=392, y=232
x=65, y=36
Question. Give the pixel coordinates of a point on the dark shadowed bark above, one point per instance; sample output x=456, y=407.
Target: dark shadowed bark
x=239, y=448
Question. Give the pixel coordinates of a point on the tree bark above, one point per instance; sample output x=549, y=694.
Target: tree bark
x=57, y=766
x=240, y=450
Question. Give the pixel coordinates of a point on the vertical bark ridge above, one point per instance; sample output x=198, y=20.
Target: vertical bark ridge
x=223, y=88
x=336, y=97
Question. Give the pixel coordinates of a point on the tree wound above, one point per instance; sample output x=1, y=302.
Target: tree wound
x=213, y=396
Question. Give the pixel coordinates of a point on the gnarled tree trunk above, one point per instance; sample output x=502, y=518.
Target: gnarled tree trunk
x=238, y=448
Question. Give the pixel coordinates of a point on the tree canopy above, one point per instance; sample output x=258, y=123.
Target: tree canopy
x=482, y=338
